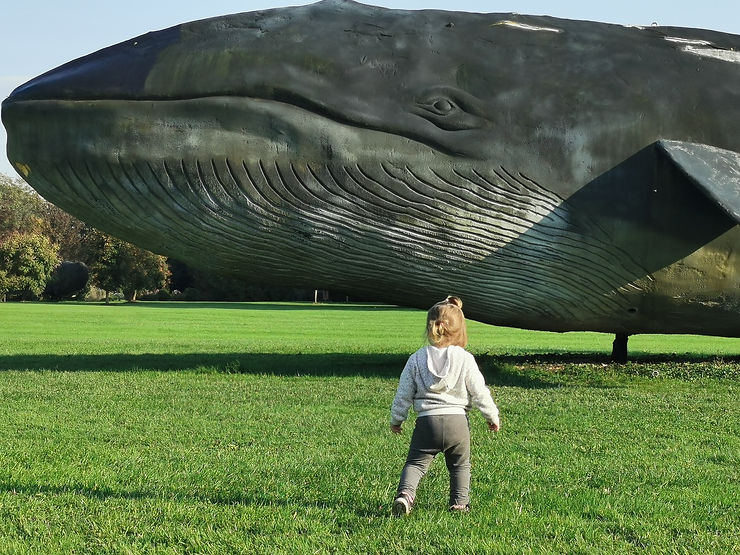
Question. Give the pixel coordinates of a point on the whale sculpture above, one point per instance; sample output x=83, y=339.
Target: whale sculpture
x=556, y=174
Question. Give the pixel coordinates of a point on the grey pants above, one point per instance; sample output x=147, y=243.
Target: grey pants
x=448, y=434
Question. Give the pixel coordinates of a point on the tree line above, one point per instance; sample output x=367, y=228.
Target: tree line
x=47, y=254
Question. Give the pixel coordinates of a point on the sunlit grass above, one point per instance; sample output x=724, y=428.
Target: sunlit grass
x=206, y=428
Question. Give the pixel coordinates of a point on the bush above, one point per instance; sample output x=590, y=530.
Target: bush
x=68, y=280
x=192, y=294
x=161, y=295
x=27, y=261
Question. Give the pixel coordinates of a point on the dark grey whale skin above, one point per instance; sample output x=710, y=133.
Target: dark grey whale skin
x=556, y=174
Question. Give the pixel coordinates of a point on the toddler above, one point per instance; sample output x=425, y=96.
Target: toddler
x=443, y=383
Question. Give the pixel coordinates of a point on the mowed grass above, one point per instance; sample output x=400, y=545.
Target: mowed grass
x=263, y=428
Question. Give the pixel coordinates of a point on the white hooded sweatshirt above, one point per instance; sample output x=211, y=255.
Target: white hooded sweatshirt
x=442, y=381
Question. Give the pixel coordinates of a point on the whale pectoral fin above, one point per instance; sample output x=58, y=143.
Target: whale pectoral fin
x=714, y=171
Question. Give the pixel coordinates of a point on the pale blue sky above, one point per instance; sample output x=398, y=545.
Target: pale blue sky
x=38, y=35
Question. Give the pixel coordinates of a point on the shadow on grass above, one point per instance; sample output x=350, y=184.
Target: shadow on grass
x=496, y=371
x=216, y=498
x=553, y=358
x=330, y=364
x=597, y=370
x=507, y=369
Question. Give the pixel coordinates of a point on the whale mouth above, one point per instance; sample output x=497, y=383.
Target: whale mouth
x=278, y=120
x=197, y=128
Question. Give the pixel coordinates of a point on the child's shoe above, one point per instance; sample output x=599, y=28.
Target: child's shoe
x=402, y=504
x=459, y=508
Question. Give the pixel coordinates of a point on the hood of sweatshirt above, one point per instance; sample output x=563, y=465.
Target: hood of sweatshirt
x=443, y=368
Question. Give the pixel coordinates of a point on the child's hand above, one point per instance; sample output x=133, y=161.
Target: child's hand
x=396, y=428
x=494, y=426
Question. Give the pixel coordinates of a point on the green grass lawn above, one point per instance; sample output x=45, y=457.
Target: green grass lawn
x=243, y=428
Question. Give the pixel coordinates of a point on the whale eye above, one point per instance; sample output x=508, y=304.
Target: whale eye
x=443, y=106
x=449, y=108
x=438, y=105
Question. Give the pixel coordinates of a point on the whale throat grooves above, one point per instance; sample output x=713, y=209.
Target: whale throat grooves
x=369, y=229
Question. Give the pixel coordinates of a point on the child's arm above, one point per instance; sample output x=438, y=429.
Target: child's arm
x=404, y=397
x=481, y=398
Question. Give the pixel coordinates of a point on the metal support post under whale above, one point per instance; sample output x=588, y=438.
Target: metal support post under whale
x=556, y=174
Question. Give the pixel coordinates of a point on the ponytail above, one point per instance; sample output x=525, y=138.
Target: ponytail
x=446, y=323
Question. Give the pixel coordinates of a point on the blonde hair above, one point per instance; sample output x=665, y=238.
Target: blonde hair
x=446, y=324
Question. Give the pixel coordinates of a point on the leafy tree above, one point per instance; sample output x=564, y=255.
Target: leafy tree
x=27, y=261
x=121, y=266
x=70, y=234
x=4, y=284
x=114, y=264
x=21, y=209
x=104, y=270
x=146, y=271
